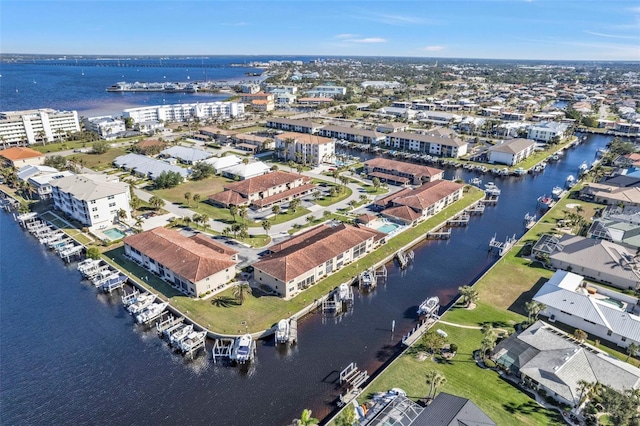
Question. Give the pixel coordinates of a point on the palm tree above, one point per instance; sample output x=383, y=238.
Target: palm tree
x=135, y=203
x=435, y=380
x=241, y=290
x=139, y=222
x=632, y=350
x=204, y=219
x=187, y=196
x=579, y=335
x=335, y=173
x=266, y=225
x=376, y=183
x=196, y=199
x=469, y=295
x=233, y=209
x=242, y=212
x=533, y=309
x=276, y=209
x=291, y=165
x=156, y=202
x=122, y=214
x=306, y=419
x=293, y=204
x=584, y=388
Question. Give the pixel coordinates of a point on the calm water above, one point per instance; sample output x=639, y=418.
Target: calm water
x=70, y=355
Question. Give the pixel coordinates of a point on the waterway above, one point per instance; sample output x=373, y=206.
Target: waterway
x=70, y=355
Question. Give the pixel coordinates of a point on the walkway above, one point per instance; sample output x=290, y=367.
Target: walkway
x=472, y=327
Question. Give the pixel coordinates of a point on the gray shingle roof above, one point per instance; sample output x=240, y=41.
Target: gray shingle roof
x=89, y=187
x=451, y=410
x=513, y=146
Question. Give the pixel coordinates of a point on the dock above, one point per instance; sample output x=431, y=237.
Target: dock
x=491, y=199
x=404, y=258
x=530, y=220
x=168, y=323
x=193, y=343
x=222, y=349
x=353, y=378
x=339, y=299
x=441, y=234
x=367, y=280
x=477, y=209
x=459, y=220
x=416, y=332
x=502, y=247
x=114, y=283
x=128, y=299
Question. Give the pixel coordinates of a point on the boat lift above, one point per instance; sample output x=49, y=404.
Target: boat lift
x=404, y=258
x=503, y=247
x=166, y=326
x=128, y=299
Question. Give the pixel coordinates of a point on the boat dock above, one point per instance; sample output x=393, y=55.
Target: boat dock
x=367, y=280
x=459, y=220
x=404, y=258
x=340, y=299
x=441, y=234
x=502, y=247
x=353, y=378
x=416, y=332
x=192, y=343
x=530, y=220
x=287, y=331
x=169, y=323
x=477, y=209
x=222, y=349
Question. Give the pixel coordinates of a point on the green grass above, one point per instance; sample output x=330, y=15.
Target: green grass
x=60, y=146
x=98, y=161
x=498, y=398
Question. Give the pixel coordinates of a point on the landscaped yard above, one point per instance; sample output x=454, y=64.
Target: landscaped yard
x=98, y=161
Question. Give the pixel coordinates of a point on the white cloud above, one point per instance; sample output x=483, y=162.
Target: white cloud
x=433, y=48
x=368, y=40
x=345, y=36
x=609, y=35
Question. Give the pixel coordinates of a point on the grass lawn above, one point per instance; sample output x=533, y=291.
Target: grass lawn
x=98, y=161
x=318, y=220
x=371, y=190
x=499, y=399
x=60, y=146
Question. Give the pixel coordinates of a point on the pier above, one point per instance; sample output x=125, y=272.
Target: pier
x=192, y=343
x=367, y=280
x=416, y=332
x=477, y=209
x=222, y=349
x=441, y=234
x=353, y=378
x=460, y=220
x=404, y=258
x=530, y=220
x=502, y=247
x=340, y=299
x=168, y=323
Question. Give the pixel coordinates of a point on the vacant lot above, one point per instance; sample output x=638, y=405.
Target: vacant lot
x=98, y=161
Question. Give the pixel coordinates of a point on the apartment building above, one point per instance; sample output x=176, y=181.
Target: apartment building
x=37, y=125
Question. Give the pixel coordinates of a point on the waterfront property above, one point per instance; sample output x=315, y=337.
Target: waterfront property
x=305, y=148
x=511, y=152
x=410, y=206
x=597, y=260
x=184, y=112
x=106, y=127
x=94, y=200
x=611, y=195
x=602, y=313
x=37, y=125
x=544, y=131
x=20, y=156
x=193, y=265
x=289, y=125
x=545, y=358
x=400, y=172
x=351, y=134
x=431, y=144
x=41, y=182
x=264, y=191
x=186, y=155
x=621, y=226
x=299, y=262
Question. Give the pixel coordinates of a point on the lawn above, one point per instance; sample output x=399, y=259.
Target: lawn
x=60, y=146
x=98, y=161
x=499, y=399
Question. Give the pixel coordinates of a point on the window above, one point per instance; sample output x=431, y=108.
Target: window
x=624, y=339
x=609, y=332
x=112, y=204
x=111, y=197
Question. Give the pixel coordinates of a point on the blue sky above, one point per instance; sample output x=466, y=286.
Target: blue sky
x=507, y=29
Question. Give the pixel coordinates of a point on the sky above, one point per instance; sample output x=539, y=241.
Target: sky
x=498, y=29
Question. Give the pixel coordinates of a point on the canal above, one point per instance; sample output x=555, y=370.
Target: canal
x=71, y=355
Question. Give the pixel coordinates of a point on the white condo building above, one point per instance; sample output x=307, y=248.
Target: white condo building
x=106, y=127
x=37, y=125
x=184, y=112
x=93, y=200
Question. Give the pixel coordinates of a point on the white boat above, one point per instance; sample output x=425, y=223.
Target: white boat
x=242, y=348
x=491, y=189
x=429, y=307
x=176, y=337
x=88, y=265
x=343, y=291
x=192, y=340
x=556, y=192
x=142, y=302
x=367, y=279
x=583, y=168
x=151, y=312
x=282, y=331
x=570, y=181
x=520, y=171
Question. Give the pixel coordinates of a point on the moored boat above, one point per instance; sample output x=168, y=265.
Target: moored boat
x=242, y=349
x=282, y=331
x=429, y=307
x=151, y=312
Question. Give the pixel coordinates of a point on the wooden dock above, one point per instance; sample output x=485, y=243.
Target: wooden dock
x=460, y=220
x=502, y=247
x=416, y=332
x=404, y=258
x=439, y=235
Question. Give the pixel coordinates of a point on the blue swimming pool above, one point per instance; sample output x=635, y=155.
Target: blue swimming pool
x=114, y=234
x=388, y=228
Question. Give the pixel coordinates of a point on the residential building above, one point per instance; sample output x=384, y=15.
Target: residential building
x=95, y=200
x=106, y=127
x=148, y=167
x=352, y=134
x=447, y=409
x=253, y=143
x=611, y=195
x=438, y=117
x=305, y=148
x=248, y=98
x=511, y=152
x=545, y=358
x=407, y=113
x=392, y=127
x=299, y=262
x=194, y=265
x=289, y=125
x=327, y=91
x=428, y=144
x=221, y=136
x=41, y=183
x=185, y=154
x=264, y=191
x=621, y=226
x=270, y=88
x=37, y=126
x=185, y=112
x=285, y=98
x=400, y=172
x=18, y=157
x=410, y=206
x=314, y=101
x=221, y=163
x=544, y=131
x=246, y=171
x=598, y=260
x=602, y=313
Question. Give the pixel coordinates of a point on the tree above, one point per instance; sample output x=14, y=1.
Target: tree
x=293, y=204
x=533, y=309
x=346, y=418
x=584, y=388
x=434, y=380
x=579, y=335
x=632, y=350
x=56, y=161
x=276, y=209
x=196, y=199
x=299, y=168
x=156, y=202
x=243, y=211
x=233, y=210
x=139, y=222
x=433, y=341
x=488, y=340
x=266, y=225
x=168, y=180
x=135, y=203
x=241, y=290
x=93, y=252
x=291, y=165
x=187, y=197
x=202, y=170
x=376, y=183
x=469, y=295
x=122, y=214
x=335, y=173
x=128, y=122
x=306, y=419
x=100, y=147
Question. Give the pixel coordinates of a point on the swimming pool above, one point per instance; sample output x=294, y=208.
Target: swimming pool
x=114, y=234
x=614, y=302
x=388, y=228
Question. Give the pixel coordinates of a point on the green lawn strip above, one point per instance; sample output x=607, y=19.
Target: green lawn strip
x=60, y=146
x=98, y=161
x=327, y=200
x=498, y=398
x=319, y=220
x=483, y=314
x=371, y=190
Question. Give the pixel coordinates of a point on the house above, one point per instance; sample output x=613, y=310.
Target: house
x=315, y=101
x=184, y=112
x=106, y=127
x=400, y=172
x=598, y=260
x=407, y=113
x=299, y=262
x=603, y=313
x=427, y=143
x=611, y=195
x=245, y=171
x=148, y=167
x=511, y=152
x=43, y=125
x=253, y=143
x=548, y=359
x=264, y=191
x=352, y=134
x=451, y=410
x=94, y=200
x=42, y=183
x=327, y=91
x=221, y=136
x=409, y=206
x=289, y=125
x=392, y=127
x=221, y=163
x=194, y=265
x=18, y=157
x=621, y=226
x=186, y=155
x=305, y=148
x=544, y=131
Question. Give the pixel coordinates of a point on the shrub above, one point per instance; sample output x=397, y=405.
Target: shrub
x=453, y=348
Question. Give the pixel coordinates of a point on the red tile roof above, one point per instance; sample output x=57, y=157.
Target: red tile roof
x=19, y=153
x=264, y=182
x=190, y=258
x=403, y=167
x=390, y=177
x=426, y=195
x=228, y=198
x=288, y=193
x=404, y=213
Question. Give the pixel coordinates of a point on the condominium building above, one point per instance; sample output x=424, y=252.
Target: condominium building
x=545, y=131
x=37, y=125
x=93, y=200
x=185, y=112
x=106, y=127
x=429, y=144
x=305, y=148
x=327, y=91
